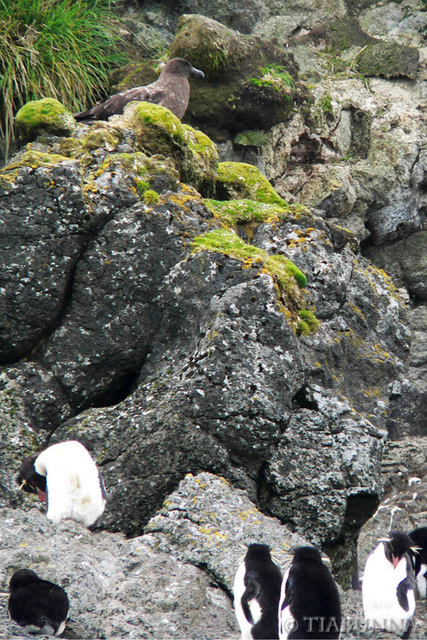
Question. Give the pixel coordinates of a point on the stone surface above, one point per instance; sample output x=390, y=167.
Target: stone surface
x=193, y=361
x=174, y=581
x=167, y=357
x=250, y=81
x=189, y=527
x=408, y=415
x=131, y=588
x=406, y=261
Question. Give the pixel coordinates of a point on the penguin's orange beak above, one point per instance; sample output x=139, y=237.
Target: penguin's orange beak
x=395, y=561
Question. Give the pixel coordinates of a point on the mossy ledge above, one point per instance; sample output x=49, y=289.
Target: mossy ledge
x=234, y=212
x=288, y=279
x=29, y=158
x=237, y=180
x=158, y=131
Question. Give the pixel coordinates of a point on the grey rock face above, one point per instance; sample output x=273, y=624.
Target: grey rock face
x=189, y=527
x=408, y=407
x=312, y=490
x=112, y=314
x=18, y=438
x=212, y=373
x=39, y=244
x=150, y=586
x=165, y=362
x=119, y=588
x=406, y=261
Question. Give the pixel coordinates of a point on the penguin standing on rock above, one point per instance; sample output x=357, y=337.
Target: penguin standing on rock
x=388, y=586
x=66, y=477
x=256, y=594
x=36, y=604
x=310, y=604
x=419, y=559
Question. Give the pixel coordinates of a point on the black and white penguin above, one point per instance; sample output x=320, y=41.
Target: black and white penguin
x=256, y=594
x=36, y=604
x=66, y=477
x=419, y=559
x=388, y=586
x=310, y=604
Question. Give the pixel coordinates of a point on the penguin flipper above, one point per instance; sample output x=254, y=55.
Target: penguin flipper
x=251, y=592
x=402, y=593
x=289, y=593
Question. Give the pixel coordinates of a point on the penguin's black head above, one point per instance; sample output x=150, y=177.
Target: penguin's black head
x=258, y=551
x=396, y=544
x=28, y=478
x=419, y=536
x=306, y=554
x=21, y=578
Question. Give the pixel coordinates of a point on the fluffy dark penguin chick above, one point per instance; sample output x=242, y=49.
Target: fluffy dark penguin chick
x=36, y=604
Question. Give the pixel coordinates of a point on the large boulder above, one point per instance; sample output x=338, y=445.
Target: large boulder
x=251, y=81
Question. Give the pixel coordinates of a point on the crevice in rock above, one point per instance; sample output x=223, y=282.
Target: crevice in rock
x=261, y=485
x=302, y=400
x=360, y=134
x=120, y=391
x=215, y=582
x=343, y=552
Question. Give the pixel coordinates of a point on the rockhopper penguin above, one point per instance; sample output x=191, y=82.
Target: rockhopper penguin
x=309, y=601
x=419, y=559
x=66, y=477
x=256, y=594
x=388, y=586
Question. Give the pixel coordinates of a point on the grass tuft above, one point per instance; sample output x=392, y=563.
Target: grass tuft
x=63, y=49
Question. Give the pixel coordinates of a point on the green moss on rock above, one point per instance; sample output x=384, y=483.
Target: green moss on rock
x=28, y=158
x=208, y=44
x=276, y=77
x=34, y=159
x=202, y=166
x=308, y=322
x=43, y=116
x=100, y=136
x=157, y=128
x=389, y=59
x=237, y=180
x=235, y=212
x=229, y=243
x=254, y=138
x=288, y=278
x=251, y=81
x=151, y=197
x=158, y=131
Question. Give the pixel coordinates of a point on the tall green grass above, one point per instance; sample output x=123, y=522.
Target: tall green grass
x=54, y=48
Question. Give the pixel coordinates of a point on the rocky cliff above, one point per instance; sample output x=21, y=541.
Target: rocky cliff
x=224, y=324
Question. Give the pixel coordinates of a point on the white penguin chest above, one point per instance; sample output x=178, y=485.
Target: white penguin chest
x=379, y=589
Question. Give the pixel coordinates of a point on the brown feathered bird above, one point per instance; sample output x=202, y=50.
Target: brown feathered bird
x=171, y=90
